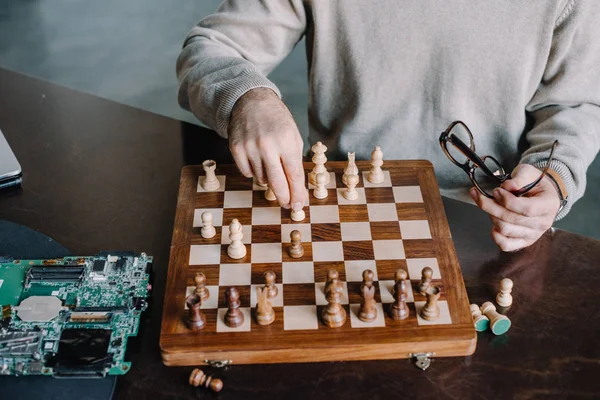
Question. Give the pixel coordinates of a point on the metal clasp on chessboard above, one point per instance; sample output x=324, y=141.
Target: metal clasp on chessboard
x=218, y=363
x=422, y=360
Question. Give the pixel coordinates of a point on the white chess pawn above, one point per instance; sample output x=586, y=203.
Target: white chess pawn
x=236, y=249
x=504, y=298
x=351, y=193
x=210, y=183
x=269, y=195
x=298, y=216
x=208, y=230
x=319, y=159
x=351, y=168
x=376, y=173
x=321, y=191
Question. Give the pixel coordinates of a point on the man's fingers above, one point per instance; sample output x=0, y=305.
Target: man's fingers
x=294, y=171
x=514, y=231
x=277, y=179
x=525, y=206
x=521, y=176
x=241, y=160
x=509, y=243
x=491, y=207
x=258, y=169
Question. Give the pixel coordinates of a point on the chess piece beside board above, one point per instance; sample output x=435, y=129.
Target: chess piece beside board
x=397, y=287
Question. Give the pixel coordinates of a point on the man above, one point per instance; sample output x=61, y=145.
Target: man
x=396, y=73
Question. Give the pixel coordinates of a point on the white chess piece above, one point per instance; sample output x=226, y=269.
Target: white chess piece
x=351, y=168
x=269, y=195
x=208, y=230
x=351, y=193
x=319, y=159
x=210, y=183
x=298, y=216
x=236, y=249
x=320, y=191
x=376, y=174
x=504, y=298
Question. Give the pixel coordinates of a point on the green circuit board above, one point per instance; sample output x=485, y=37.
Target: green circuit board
x=71, y=316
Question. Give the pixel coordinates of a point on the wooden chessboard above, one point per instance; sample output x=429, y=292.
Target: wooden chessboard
x=397, y=224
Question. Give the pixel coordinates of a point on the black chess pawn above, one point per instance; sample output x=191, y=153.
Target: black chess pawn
x=368, y=277
x=367, y=311
x=195, y=319
x=399, y=309
x=234, y=316
x=201, y=290
x=333, y=280
x=425, y=283
x=270, y=284
x=334, y=314
x=296, y=249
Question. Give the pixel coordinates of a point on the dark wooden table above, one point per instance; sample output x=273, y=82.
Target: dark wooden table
x=99, y=175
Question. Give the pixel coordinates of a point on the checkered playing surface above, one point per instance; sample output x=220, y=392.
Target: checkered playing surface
x=386, y=228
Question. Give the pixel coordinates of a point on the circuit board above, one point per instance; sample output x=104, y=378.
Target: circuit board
x=71, y=316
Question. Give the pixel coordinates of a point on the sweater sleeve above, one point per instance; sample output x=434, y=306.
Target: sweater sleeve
x=231, y=51
x=566, y=106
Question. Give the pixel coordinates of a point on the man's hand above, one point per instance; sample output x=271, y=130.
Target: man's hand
x=520, y=221
x=265, y=143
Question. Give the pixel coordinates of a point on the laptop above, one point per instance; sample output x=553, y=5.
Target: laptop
x=10, y=169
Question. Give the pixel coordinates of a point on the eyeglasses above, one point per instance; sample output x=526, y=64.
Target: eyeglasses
x=480, y=169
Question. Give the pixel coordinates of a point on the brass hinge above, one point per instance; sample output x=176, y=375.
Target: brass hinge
x=218, y=363
x=422, y=360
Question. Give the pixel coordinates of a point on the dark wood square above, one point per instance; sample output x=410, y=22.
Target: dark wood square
x=244, y=215
x=258, y=271
x=266, y=233
x=322, y=267
x=358, y=250
x=386, y=269
x=410, y=321
x=244, y=291
x=225, y=259
x=258, y=200
x=286, y=216
x=355, y=296
x=353, y=213
x=299, y=294
x=209, y=328
x=419, y=248
x=273, y=328
x=210, y=271
x=308, y=254
x=209, y=200
x=237, y=182
x=330, y=200
x=385, y=230
x=411, y=211
x=379, y=195
x=344, y=328
x=405, y=177
x=329, y=232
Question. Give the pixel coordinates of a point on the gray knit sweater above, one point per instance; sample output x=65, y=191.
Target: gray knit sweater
x=396, y=72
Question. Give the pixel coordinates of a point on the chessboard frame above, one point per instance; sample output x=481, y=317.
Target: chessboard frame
x=181, y=346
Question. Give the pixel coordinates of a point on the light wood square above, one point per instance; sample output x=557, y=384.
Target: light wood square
x=388, y=249
x=328, y=251
x=298, y=272
x=415, y=229
x=246, y=231
x=211, y=302
x=300, y=318
x=320, y=294
x=217, y=214
x=324, y=214
x=387, y=180
x=266, y=253
x=304, y=229
x=201, y=254
x=443, y=319
x=386, y=288
x=357, y=323
x=245, y=327
x=352, y=231
x=266, y=216
x=416, y=265
x=276, y=301
x=382, y=212
x=238, y=199
x=220, y=178
x=235, y=274
x=362, y=198
x=354, y=269
x=407, y=194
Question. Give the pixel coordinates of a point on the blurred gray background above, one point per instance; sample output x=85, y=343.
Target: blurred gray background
x=125, y=51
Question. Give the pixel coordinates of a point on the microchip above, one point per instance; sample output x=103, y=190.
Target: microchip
x=99, y=266
x=120, y=264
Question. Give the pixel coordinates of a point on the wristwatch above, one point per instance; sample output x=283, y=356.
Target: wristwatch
x=563, y=195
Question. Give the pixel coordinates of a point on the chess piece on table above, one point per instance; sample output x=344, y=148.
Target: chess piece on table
x=208, y=230
x=398, y=309
x=320, y=192
x=499, y=324
x=351, y=168
x=234, y=316
x=270, y=284
x=376, y=173
x=269, y=195
x=236, y=249
x=399, y=275
x=504, y=298
x=350, y=193
x=426, y=276
x=368, y=276
x=262, y=185
x=195, y=320
x=264, y=310
x=298, y=216
x=319, y=159
x=199, y=378
x=296, y=249
x=367, y=312
x=333, y=281
x=431, y=309
x=210, y=183
x=334, y=314
x=201, y=289
x=480, y=321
